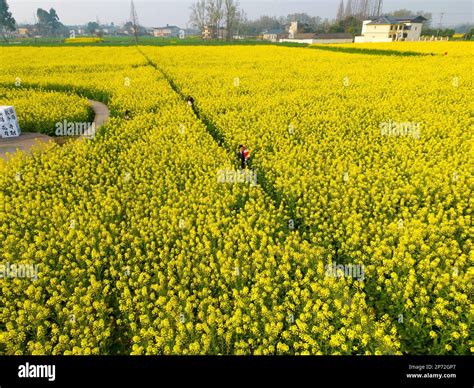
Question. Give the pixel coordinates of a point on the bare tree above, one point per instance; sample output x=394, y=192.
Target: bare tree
x=230, y=14
x=374, y=8
x=215, y=12
x=364, y=8
x=361, y=9
x=233, y=17
x=349, y=9
x=198, y=16
x=340, y=12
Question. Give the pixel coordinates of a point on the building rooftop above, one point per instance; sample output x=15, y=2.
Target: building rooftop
x=418, y=19
x=336, y=35
x=274, y=31
x=389, y=20
x=167, y=27
x=309, y=35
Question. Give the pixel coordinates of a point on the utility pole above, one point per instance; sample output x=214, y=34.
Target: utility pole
x=134, y=20
x=440, y=23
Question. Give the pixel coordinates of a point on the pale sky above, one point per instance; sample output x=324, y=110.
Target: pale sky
x=153, y=13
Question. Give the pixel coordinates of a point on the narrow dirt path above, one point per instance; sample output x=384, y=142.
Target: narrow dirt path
x=26, y=140
x=102, y=113
x=267, y=186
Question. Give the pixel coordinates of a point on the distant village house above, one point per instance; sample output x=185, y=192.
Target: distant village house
x=214, y=32
x=25, y=31
x=166, y=32
x=387, y=29
x=274, y=35
x=297, y=34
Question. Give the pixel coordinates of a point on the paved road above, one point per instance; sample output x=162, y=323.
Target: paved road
x=27, y=140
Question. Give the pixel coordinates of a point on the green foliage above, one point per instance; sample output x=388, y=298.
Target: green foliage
x=7, y=22
x=355, y=50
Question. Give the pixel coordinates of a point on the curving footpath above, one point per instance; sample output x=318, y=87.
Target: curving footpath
x=26, y=140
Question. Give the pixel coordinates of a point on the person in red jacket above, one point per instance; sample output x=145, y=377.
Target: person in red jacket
x=246, y=152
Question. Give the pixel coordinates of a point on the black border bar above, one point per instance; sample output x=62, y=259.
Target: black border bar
x=318, y=371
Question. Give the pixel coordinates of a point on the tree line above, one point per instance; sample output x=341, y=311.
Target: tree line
x=227, y=19
x=47, y=24
x=218, y=14
x=227, y=15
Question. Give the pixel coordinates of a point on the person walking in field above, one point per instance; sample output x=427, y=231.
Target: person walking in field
x=190, y=101
x=241, y=157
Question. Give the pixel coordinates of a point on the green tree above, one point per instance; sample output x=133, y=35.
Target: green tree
x=401, y=13
x=406, y=13
x=48, y=22
x=307, y=22
x=93, y=28
x=263, y=23
x=470, y=34
x=7, y=22
x=438, y=33
x=55, y=23
x=350, y=24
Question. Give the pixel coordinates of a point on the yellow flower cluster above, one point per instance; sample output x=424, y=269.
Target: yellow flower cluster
x=142, y=250
x=457, y=49
x=83, y=40
x=40, y=111
x=399, y=205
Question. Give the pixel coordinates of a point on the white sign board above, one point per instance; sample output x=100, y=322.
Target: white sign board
x=9, y=126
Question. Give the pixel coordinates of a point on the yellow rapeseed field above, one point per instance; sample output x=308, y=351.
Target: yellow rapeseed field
x=39, y=111
x=140, y=248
